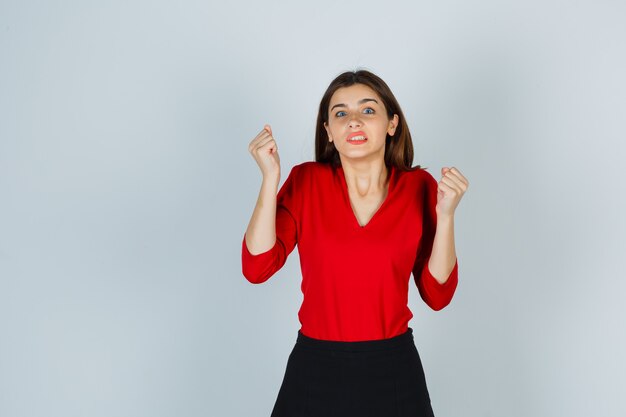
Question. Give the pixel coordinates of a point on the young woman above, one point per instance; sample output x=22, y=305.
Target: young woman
x=364, y=219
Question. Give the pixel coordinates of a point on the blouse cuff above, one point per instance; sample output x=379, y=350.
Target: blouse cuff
x=259, y=257
x=446, y=286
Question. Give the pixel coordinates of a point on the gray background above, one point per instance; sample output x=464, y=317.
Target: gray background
x=126, y=186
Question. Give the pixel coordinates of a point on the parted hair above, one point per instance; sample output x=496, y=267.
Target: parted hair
x=398, y=148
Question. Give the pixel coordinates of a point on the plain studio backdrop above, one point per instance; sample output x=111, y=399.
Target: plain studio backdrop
x=126, y=187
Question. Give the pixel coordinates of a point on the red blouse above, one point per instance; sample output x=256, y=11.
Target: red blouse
x=354, y=278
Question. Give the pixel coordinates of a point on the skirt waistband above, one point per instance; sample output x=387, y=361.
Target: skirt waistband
x=403, y=339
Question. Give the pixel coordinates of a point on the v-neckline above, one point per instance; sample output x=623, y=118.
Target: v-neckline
x=344, y=186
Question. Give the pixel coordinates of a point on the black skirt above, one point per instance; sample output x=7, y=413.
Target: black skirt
x=374, y=378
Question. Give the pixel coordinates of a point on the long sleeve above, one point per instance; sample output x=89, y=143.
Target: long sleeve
x=436, y=295
x=260, y=267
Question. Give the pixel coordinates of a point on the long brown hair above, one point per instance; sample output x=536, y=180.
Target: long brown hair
x=398, y=148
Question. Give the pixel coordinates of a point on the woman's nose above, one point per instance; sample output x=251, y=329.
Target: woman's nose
x=354, y=121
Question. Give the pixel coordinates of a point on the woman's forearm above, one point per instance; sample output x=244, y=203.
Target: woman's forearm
x=443, y=255
x=261, y=231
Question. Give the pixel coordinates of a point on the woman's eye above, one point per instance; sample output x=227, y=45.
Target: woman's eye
x=338, y=114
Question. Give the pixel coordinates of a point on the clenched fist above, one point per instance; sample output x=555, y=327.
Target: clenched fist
x=264, y=150
x=450, y=190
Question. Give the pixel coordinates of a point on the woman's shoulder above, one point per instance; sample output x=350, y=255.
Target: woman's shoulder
x=423, y=173
x=416, y=179
x=312, y=167
x=416, y=173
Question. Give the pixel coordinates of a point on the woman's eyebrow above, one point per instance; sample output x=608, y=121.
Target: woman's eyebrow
x=360, y=102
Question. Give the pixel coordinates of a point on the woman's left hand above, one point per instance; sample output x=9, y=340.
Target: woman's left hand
x=450, y=190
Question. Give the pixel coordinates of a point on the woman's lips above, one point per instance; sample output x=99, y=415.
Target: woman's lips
x=357, y=141
x=359, y=133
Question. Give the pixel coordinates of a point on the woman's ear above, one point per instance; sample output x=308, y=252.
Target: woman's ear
x=393, y=125
x=330, y=137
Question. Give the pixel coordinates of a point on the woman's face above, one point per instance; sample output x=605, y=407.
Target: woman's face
x=359, y=109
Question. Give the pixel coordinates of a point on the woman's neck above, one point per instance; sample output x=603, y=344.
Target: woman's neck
x=366, y=178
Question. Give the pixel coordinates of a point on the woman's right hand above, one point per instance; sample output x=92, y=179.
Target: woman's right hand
x=264, y=150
